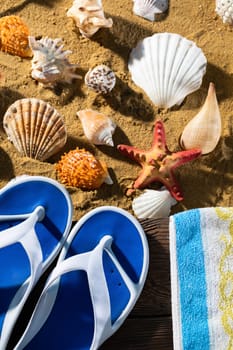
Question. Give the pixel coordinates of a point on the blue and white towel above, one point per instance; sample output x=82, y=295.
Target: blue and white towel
x=201, y=250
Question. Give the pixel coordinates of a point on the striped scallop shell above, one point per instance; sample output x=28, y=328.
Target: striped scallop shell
x=148, y=8
x=35, y=128
x=153, y=204
x=79, y=168
x=100, y=79
x=97, y=127
x=167, y=67
x=14, y=36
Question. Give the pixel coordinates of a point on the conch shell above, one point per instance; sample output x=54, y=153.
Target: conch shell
x=204, y=130
x=89, y=16
x=35, y=128
x=79, y=168
x=50, y=63
x=14, y=36
x=153, y=204
x=97, y=127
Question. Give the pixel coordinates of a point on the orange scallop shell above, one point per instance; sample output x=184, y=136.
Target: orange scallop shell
x=79, y=168
x=14, y=36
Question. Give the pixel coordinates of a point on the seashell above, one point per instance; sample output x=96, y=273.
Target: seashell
x=50, y=63
x=204, y=130
x=35, y=128
x=98, y=128
x=14, y=36
x=100, y=79
x=88, y=16
x=225, y=10
x=148, y=8
x=153, y=204
x=79, y=168
x=167, y=67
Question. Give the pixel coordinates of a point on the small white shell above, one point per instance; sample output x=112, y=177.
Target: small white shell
x=148, y=8
x=167, y=67
x=204, y=130
x=101, y=79
x=35, y=128
x=153, y=204
x=88, y=16
x=50, y=63
x=225, y=10
x=97, y=127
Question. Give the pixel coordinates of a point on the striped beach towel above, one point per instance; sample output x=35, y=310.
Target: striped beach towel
x=201, y=251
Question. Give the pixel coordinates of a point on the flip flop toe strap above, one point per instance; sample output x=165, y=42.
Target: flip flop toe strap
x=92, y=263
x=23, y=233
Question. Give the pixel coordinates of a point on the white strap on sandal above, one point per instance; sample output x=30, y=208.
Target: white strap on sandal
x=23, y=233
x=92, y=263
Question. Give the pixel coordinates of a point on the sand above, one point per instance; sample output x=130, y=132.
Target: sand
x=206, y=181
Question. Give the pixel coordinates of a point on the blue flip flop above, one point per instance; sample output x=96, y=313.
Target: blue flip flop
x=98, y=278
x=35, y=219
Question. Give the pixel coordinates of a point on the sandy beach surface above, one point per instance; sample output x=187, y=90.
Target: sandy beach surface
x=206, y=181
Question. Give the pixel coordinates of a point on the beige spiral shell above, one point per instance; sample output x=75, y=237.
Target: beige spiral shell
x=35, y=128
x=97, y=127
x=204, y=130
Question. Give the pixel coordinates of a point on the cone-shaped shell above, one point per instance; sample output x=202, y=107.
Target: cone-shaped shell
x=167, y=67
x=204, y=130
x=35, y=128
x=153, y=204
x=79, y=168
x=14, y=36
x=97, y=127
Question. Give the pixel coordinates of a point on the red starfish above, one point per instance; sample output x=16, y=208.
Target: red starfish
x=158, y=163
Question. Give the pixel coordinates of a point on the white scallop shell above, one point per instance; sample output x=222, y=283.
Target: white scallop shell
x=148, y=8
x=50, y=63
x=204, y=130
x=35, y=128
x=225, y=10
x=88, y=16
x=100, y=79
x=97, y=127
x=153, y=204
x=167, y=67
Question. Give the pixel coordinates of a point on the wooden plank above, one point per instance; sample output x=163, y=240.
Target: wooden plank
x=142, y=334
x=155, y=299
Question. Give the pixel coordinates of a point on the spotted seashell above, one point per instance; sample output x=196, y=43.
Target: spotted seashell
x=148, y=8
x=88, y=16
x=100, y=79
x=97, y=127
x=35, y=128
x=224, y=9
x=153, y=204
x=50, y=63
x=79, y=168
x=14, y=36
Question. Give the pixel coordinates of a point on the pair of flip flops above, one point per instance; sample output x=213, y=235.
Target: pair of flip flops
x=99, y=275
